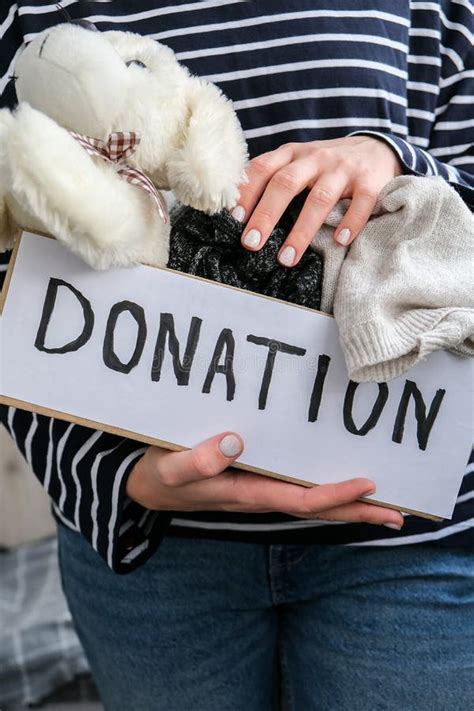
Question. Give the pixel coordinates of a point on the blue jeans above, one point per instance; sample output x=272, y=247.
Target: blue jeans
x=228, y=626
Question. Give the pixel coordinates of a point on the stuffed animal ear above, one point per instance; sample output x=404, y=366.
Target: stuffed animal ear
x=8, y=230
x=209, y=164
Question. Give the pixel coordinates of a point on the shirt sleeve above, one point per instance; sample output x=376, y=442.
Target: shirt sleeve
x=450, y=152
x=85, y=472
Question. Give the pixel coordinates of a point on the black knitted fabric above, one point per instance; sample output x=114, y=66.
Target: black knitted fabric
x=209, y=246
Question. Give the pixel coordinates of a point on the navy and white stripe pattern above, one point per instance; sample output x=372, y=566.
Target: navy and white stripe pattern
x=301, y=71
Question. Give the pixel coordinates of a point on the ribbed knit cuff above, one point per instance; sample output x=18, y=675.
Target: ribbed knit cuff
x=380, y=350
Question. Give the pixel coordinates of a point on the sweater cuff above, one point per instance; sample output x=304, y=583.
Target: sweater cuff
x=124, y=533
x=378, y=350
x=139, y=536
x=134, y=532
x=416, y=161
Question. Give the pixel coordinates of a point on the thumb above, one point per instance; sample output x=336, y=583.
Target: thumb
x=204, y=461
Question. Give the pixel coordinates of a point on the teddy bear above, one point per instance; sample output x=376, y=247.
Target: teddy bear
x=105, y=122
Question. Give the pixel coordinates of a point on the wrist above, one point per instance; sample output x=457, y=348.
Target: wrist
x=138, y=487
x=390, y=148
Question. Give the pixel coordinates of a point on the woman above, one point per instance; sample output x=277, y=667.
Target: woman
x=339, y=99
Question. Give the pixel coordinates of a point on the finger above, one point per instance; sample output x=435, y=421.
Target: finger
x=200, y=463
x=280, y=191
x=319, y=502
x=243, y=491
x=319, y=203
x=357, y=216
x=363, y=513
x=321, y=498
x=259, y=171
x=239, y=491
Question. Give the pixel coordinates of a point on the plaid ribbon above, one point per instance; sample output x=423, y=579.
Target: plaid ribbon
x=118, y=147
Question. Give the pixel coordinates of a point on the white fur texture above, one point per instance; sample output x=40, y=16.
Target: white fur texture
x=78, y=80
x=71, y=78
x=205, y=170
x=8, y=232
x=80, y=199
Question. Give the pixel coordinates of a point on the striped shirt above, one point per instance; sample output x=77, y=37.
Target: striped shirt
x=299, y=71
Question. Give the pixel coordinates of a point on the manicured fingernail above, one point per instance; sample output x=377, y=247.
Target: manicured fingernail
x=287, y=256
x=230, y=446
x=252, y=238
x=395, y=526
x=238, y=213
x=344, y=236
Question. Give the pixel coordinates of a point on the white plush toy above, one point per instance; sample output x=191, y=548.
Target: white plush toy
x=71, y=79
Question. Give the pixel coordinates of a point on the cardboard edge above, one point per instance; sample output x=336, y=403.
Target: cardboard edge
x=154, y=441
x=9, y=274
x=163, y=269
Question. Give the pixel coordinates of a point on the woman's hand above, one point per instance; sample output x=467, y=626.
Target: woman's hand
x=199, y=480
x=356, y=167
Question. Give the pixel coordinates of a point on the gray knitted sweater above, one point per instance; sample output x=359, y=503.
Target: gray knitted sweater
x=405, y=287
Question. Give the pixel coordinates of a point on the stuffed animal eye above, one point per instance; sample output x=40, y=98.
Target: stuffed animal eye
x=136, y=62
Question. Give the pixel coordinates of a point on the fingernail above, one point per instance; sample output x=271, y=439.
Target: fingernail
x=252, y=238
x=344, y=236
x=287, y=256
x=230, y=446
x=395, y=526
x=369, y=492
x=238, y=213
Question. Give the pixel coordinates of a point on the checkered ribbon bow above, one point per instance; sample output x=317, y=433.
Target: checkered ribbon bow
x=118, y=147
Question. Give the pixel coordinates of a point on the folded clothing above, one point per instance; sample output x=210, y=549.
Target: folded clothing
x=209, y=246
x=404, y=288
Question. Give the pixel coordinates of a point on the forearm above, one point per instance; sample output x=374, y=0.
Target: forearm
x=85, y=473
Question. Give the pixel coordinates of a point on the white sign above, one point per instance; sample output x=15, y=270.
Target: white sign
x=171, y=358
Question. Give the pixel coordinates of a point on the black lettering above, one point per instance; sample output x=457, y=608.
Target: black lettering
x=424, y=422
x=226, y=340
x=316, y=395
x=273, y=348
x=374, y=416
x=48, y=307
x=182, y=370
x=111, y=359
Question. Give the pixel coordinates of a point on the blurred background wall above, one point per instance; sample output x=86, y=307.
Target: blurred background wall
x=24, y=506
